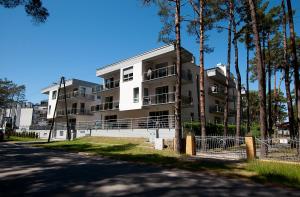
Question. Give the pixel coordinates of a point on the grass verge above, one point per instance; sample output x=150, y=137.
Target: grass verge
x=21, y=139
x=137, y=150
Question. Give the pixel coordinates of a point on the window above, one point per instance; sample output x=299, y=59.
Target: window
x=49, y=110
x=54, y=94
x=61, y=133
x=128, y=74
x=136, y=95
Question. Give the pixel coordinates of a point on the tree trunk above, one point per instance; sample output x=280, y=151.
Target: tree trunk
x=178, y=129
x=202, y=91
x=287, y=77
x=226, y=108
x=296, y=68
x=269, y=89
x=261, y=80
x=247, y=84
x=239, y=85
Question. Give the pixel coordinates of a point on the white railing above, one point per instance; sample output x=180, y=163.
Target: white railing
x=76, y=94
x=159, y=99
x=160, y=73
x=105, y=106
x=216, y=109
x=150, y=122
x=73, y=111
x=107, y=86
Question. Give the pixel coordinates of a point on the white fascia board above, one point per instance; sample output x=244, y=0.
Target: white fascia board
x=123, y=63
x=55, y=87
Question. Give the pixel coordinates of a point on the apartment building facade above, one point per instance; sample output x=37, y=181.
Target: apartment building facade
x=138, y=94
x=79, y=99
x=144, y=86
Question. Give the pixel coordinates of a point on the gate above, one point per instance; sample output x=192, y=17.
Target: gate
x=221, y=147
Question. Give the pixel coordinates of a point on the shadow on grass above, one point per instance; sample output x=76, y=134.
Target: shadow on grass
x=277, y=178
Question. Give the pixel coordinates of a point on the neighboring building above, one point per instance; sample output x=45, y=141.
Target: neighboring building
x=79, y=101
x=143, y=86
x=25, y=115
x=215, y=81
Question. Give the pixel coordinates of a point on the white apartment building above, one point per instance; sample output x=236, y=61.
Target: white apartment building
x=137, y=95
x=79, y=101
x=215, y=80
x=144, y=86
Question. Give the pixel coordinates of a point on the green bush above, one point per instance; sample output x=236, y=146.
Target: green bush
x=211, y=129
x=23, y=134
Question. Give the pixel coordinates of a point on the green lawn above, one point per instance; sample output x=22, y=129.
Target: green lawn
x=137, y=150
x=22, y=139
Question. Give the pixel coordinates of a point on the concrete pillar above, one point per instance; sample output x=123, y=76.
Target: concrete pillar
x=190, y=146
x=250, y=147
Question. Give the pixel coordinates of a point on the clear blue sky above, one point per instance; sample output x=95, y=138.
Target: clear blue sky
x=81, y=36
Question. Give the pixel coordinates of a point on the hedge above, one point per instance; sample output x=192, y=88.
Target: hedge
x=212, y=129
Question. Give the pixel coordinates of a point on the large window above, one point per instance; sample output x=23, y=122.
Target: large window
x=128, y=74
x=54, y=94
x=136, y=95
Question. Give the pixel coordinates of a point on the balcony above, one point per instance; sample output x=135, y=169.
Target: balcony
x=158, y=99
x=76, y=95
x=107, y=86
x=160, y=73
x=216, y=109
x=106, y=106
x=216, y=91
x=187, y=101
x=73, y=112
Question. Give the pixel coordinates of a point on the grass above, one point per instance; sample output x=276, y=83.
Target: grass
x=21, y=139
x=282, y=173
x=137, y=150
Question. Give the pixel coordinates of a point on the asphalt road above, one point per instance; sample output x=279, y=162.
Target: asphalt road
x=28, y=171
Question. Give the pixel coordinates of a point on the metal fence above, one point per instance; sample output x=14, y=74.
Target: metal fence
x=221, y=147
x=283, y=149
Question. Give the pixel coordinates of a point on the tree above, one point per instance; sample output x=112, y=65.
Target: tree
x=260, y=71
x=170, y=10
x=295, y=65
x=11, y=94
x=33, y=8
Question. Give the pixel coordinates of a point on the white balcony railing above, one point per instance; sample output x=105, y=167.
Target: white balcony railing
x=105, y=106
x=76, y=95
x=160, y=73
x=159, y=99
x=73, y=111
x=107, y=86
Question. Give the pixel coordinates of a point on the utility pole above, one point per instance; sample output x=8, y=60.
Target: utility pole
x=62, y=81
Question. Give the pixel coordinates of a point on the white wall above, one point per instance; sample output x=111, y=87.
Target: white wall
x=26, y=117
x=51, y=102
x=126, y=88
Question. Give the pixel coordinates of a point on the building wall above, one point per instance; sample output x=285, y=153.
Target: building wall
x=126, y=88
x=26, y=118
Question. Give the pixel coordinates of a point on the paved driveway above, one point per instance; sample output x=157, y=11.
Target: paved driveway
x=27, y=171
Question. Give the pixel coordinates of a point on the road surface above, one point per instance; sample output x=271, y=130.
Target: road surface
x=31, y=171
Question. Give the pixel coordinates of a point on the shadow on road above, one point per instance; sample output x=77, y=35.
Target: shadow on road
x=36, y=171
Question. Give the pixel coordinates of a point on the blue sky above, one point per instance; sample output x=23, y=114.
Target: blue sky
x=81, y=36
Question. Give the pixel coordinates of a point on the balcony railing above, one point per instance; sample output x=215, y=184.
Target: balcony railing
x=216, y=109
x=73, y=112
x=106, y=106
x=76, y=94
x=216, y=91
x=107, y=86
x=159, y=99
x=150, y=122
x=160, y=73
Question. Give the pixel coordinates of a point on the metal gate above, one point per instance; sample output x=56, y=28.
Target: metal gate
x=221, y=147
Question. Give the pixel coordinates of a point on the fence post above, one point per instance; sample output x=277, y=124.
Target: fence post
x=250, y=147
x=190, y=145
